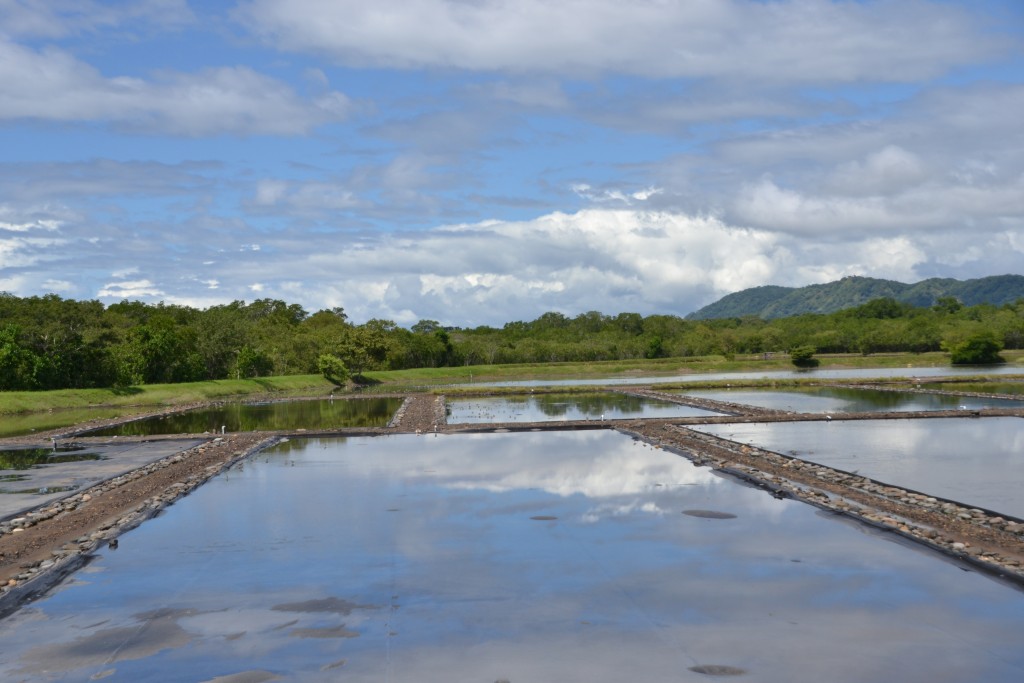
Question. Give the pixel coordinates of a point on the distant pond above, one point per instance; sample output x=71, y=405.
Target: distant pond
x=844, y=400
x=564, y=407
x=977, y=461
x=277, y=415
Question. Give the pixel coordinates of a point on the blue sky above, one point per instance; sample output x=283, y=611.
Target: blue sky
x=480, y=161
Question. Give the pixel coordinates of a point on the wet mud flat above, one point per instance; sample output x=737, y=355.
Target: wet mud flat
x=41, y=475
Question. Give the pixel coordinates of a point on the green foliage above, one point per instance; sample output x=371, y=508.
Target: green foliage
x=883, y=308
x=772, y=302
x=980, y=348
x=333, y=369
x=803, y=357
x=49, y=343
x=947, y=304
x=655, y=348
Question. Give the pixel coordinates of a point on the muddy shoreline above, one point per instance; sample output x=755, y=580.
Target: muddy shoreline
x=42, y=545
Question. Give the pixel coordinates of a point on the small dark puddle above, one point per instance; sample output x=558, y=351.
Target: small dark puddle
x=544, y=518
x=331, y=632
x=709, y=514
x=717, y=670
x=27, y=458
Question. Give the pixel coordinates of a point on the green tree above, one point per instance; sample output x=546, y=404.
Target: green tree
x=333, y=369
x=980, y=348
x=947, y=304
x=253, y=362
x=803, y=356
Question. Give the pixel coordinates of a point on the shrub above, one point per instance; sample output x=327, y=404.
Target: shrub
x=803, y=357
x=981, y=348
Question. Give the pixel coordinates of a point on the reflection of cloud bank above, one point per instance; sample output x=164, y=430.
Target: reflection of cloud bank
x=962, y=459
x=591, y=464
x=489, y=598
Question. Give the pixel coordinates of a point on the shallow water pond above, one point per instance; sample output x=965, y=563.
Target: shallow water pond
x=1011, y=388
x=557, y=407
x=576, y=556
x=23, y=424
x=283, y=415
x=978, y=461
x=830, y=374
x=26, y=458
x=843, y=400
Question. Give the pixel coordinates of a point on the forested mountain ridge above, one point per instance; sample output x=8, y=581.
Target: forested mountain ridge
x=771, y=301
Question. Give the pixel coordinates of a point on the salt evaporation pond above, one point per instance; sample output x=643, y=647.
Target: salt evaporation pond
x=978, y=461
x=283, y=415
x=27, y=423
x=808, y=373
x=1011, y=388
x=558, y=407
x=843, y=400
x=508, y=557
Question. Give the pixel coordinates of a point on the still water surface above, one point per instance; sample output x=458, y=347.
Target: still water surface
x=1012, y=388
x=577, y=556
x=842, y=373
x=556, y=407
x=978, y=461
x=21, y=425
x=843, y=400
x=285, y=415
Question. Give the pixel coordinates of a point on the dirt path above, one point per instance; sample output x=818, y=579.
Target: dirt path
x=420, y=413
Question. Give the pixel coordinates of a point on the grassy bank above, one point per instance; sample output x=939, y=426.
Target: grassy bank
x=155, y=395
x=152, y=395
x=424, y=377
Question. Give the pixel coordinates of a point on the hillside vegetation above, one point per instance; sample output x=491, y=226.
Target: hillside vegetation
x=771, y=301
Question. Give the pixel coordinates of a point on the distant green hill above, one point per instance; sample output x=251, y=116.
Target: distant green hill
x=771, y=301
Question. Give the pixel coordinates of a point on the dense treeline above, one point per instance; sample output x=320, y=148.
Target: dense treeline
x=48, y=342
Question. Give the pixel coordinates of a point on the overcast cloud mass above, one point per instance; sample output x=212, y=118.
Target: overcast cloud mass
x=478, y=162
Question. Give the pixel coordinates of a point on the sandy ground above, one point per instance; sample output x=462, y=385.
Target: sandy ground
x=43, y=543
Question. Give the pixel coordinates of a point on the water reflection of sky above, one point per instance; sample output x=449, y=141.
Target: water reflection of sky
x=520, y=557
x=817, y=373
x=560, y=407
x=981, y=387
x=843, y=400
x=979, y=461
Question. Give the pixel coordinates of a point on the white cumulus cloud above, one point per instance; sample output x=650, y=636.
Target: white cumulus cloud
x=52, y=85
x=801, y=41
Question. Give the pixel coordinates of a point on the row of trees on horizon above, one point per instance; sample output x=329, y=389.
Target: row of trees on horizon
x=48, y=342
